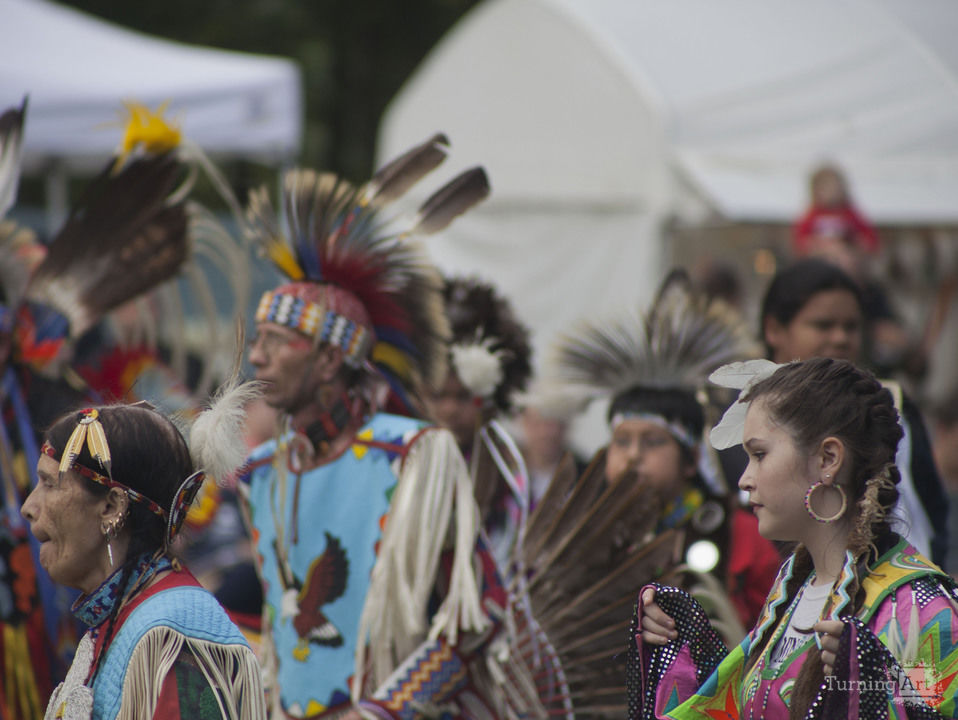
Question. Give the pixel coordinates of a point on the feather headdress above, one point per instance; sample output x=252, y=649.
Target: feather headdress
x=675, y=345
x=358, y=280
x=13, y=271
x=122, y=239
x=490, y=348
x=132, y=231
x=11, y=146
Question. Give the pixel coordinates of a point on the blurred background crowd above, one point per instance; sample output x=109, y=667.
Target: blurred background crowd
x=621, y=140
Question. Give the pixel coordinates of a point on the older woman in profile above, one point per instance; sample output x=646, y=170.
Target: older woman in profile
x=114, y=485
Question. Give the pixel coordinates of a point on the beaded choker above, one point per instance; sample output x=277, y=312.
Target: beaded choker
x=96, y=607
x=330, y=425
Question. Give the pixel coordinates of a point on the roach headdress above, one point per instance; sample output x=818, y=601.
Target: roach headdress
x=359, y=282
x=490, y=348
x=638, y=361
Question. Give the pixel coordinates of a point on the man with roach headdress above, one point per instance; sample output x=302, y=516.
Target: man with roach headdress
x=377, y=590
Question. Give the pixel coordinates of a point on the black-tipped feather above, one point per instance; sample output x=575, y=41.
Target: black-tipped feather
x=463, y=192
x=394, y=179
x=120, y=241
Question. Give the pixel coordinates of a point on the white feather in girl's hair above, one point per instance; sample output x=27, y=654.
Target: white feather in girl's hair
x=740, y=375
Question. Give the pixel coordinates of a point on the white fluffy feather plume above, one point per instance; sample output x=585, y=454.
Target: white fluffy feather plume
x=217, y=441
x=478, y=366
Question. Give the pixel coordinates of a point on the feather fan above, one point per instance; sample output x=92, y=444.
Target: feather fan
x=121, y=240
x=589, y=548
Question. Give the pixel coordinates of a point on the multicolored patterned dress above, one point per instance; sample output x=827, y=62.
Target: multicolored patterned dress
x=329, y=564
x=898, y=655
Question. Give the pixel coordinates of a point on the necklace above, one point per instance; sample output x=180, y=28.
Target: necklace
x=73, y=698
x=96, y=607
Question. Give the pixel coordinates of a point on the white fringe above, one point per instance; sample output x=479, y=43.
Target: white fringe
x=434, y=487
x=230, y=669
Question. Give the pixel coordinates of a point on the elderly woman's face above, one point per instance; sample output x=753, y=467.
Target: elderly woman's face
x=65, y=518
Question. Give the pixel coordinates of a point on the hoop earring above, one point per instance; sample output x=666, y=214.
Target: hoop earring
x=815, y=515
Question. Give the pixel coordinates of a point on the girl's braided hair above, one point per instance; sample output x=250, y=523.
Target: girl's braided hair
x=826, y=397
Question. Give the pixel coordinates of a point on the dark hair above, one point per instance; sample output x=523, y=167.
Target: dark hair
x=476, y=311
x=826, y=397
x=792, y=288
x=150, y=456
x=671, y=403
x=678, y=406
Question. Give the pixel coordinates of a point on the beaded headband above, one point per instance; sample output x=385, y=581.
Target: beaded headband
x=96, y=477
x=313, y=320
x=676, y=429
x=90, y=431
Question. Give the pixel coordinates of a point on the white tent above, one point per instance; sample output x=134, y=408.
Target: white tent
x=77, y=70
x=604, y=122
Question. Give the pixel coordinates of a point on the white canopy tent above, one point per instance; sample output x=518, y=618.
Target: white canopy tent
x=77, y=70
x=603, y=122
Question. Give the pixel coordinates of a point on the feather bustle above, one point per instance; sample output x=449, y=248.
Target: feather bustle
x=119, y=242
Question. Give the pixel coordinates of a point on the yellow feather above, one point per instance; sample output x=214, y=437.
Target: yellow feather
x=96, y=441
x=73, y=447
x=394, y=358
x=284, y=260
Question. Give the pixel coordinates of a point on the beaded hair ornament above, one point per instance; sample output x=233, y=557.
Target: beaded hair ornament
x=215, y=442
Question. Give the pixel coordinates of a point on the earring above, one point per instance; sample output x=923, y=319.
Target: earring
x=109, y=548
x=808, y=502
x=110, y=531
